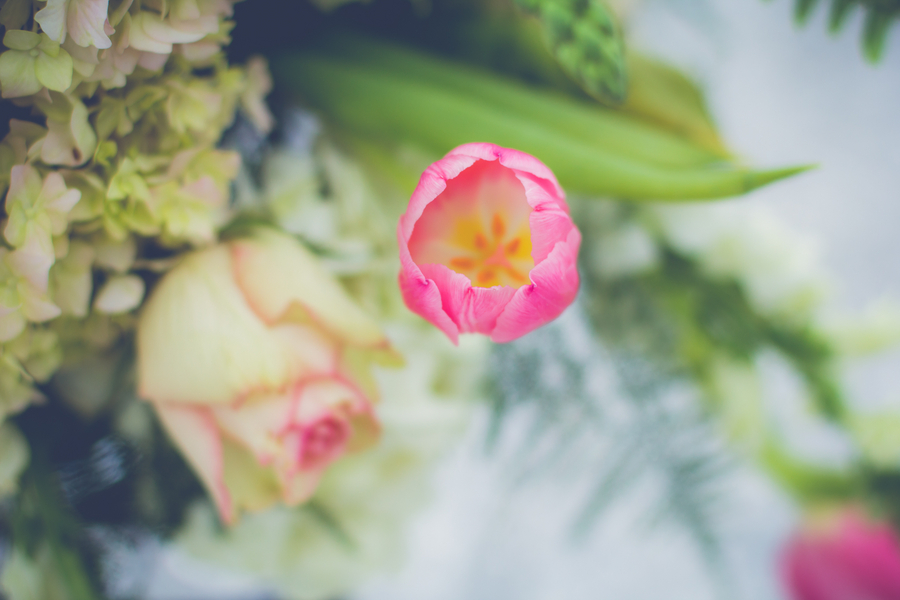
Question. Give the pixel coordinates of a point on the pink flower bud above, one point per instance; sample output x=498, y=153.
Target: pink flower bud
x=487, y=244
x=843, y=556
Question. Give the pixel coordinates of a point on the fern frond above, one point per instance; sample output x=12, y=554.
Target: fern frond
x=608, y=436
x=880, y=16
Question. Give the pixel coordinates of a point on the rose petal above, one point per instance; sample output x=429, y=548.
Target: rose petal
x=197, y=438
x=199, y=341
x=261, y=265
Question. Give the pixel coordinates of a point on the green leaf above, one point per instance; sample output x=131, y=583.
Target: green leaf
x=802, y=10
x=330, y=523
x=875, y=34
x=399, y=107
x=840, y=10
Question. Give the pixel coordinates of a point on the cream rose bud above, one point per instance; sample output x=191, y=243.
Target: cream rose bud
x=258, y=365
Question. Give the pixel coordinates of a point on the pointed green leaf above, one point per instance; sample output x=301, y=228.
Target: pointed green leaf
x=392, y=108
x=802, y=10
x=875, y=34
x=840, y=10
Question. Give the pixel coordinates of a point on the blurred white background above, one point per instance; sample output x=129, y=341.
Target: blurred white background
x=781, y=96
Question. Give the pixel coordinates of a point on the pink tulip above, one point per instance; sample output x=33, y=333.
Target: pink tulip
x=843, y=556
x=487, y=244
x=258, y=366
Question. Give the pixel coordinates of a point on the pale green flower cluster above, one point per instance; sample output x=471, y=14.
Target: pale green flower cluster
x=116, y=166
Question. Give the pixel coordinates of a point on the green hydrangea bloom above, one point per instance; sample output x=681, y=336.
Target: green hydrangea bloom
x=83, y=20
x=33, y=62
x=72, y=280
x=37, y=211
x=70, y=139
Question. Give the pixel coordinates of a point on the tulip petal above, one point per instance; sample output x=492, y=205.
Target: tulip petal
x=481, y=210
x=554, y=286
x=845, y=556
x=423, y=297
x=513, y=159
x=473, y=309
x=195, y=434
x=431, y=184
x=549, y=226
x=465, y=225
x=530, y=171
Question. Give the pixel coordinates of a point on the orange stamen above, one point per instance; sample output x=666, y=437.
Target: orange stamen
x=493, y=255
x=498, y=227
x=485, y=275
x=462, y=262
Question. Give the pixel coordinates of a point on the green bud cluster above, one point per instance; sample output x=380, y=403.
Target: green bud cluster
x=585, y=39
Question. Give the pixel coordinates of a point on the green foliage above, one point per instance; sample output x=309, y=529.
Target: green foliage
x=585, y=39
x=608, y=435
x=43, y=527
x=402, y=97
x=880, y=15
x=663, y=330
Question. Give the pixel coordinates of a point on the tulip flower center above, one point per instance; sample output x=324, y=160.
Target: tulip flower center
x=478, y=226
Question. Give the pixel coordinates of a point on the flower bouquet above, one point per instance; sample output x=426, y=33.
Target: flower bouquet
x=239, y=343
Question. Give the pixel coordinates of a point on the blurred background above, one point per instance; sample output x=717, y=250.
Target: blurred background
x=781, y=95
x=714, y=417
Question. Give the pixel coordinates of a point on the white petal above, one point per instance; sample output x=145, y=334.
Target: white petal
x=86, y=20
x=120, y=294
x=52, y=19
